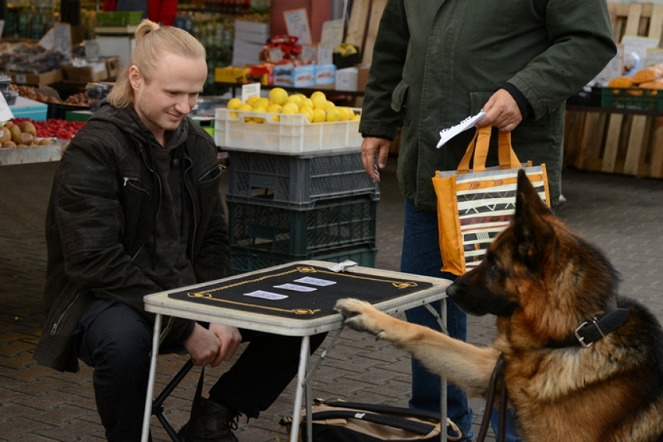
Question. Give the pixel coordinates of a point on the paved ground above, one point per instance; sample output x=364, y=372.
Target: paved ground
x=624, y=215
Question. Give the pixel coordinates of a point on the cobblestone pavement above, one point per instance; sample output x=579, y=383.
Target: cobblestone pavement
x=623, y=215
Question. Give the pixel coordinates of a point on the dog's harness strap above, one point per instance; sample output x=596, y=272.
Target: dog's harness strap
x=593, y=330
x=495, y=377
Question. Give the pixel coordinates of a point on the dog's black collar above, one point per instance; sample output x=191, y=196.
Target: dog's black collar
x=594, y=329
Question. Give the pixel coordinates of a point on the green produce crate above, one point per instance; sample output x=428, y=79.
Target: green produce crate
x=244, y=260
x=119, y=18
x=632, y=98
x=338, y=222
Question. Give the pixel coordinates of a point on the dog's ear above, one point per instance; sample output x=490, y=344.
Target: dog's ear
x=529, y=224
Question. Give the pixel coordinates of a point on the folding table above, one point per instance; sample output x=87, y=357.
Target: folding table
x=259, y=301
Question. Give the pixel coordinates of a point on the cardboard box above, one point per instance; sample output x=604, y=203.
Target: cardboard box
x=252, y=32
x=84, y=74
x=303, y=76
x=231, y=74
x=325, y=74
x=362, y=76
x=49, y=77
x=346, y=79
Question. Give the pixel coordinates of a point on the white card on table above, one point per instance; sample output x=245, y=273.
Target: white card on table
x=266, y=295
x=295, y=288
x=315, y=281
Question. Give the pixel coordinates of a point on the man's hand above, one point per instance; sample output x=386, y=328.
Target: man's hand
x=501, y=111
x=371, y=147
x=213, y=346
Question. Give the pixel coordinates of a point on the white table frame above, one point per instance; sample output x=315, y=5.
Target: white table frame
x=161, y=304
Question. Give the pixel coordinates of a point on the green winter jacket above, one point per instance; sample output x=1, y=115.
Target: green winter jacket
x=437, y=62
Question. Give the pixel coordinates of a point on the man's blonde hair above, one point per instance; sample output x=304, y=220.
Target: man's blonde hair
x=152, y=42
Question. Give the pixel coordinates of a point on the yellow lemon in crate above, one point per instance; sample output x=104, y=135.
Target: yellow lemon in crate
x=307, y=102
x=318, y=94
x=252, y=100
x=356, y=117
x=275, y=109
x=234, y=103
x=278, y=95
x=333, y=115
x=308, y=112
x=297, y=99
x=344, y=113
x=319, y=115
x=261, y=102
x=246, y=107
x=319, y=101
x=259, y=109
x=290, y=108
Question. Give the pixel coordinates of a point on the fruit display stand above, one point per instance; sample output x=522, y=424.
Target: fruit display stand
x=619, y=140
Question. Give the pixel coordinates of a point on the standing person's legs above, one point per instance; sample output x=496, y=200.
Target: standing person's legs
x=421, y=256
x=116, y=340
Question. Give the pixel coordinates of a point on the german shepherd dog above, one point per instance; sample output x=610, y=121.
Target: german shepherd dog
x=581, y=363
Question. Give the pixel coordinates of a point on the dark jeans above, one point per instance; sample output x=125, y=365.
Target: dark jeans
x=116, y=340
x=421, y=256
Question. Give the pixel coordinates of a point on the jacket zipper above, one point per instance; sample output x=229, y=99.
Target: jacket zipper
x=56, y=324
x=130, y=181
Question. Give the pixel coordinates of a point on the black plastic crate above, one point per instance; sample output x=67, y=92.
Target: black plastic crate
x=244, y=260
x=335, y=222
x=296, y=182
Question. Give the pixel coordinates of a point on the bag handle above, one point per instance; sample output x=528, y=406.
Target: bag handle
x=481, y=140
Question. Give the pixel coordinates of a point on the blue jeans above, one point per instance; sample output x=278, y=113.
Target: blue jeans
x=421, y=256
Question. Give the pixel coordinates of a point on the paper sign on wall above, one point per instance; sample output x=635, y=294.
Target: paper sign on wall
x=296, y=22
x=63, y=38
x=325, y=54
x=5, y=113
x=332, y=32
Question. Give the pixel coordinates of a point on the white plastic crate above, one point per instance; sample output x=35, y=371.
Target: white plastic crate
x=293, y=134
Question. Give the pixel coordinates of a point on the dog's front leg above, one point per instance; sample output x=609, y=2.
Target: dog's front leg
x=465, y=365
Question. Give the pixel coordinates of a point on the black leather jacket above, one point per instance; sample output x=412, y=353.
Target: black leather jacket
x=101, y=213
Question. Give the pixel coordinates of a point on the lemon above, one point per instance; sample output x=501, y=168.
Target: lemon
x=252, y=99
x=330, y=105
x=356, y=117
x=343, y=113
x=308, y=112
x=234, y=103
x=297, y=99
x=261, y=102
x=307, y=102
x=318, y=94
x=275, y=109
x=278, y=96
x=234, y=115
x=319, y=115
x=319, y=102
x=246, y=107
x=333, y=115
x=290, y=108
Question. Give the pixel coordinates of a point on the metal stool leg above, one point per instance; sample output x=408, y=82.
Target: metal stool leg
x=157, y=404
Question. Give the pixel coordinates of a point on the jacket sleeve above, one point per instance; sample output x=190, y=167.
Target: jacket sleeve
x=90, y=219
x=389, y=54
x=581, y=44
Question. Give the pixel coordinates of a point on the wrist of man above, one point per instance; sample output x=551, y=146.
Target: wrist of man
x=521, y=101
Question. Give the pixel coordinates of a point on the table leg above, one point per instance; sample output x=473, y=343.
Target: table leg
x=301, y=375
x=150, y=383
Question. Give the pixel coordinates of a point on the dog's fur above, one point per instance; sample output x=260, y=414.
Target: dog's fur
x=542, y=281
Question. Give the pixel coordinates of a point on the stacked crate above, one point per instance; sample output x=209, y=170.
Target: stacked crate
x=284, y=208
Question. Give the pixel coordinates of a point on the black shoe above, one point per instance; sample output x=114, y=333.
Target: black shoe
x=215, y=424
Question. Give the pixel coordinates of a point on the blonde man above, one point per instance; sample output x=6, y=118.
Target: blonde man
x=135, y=209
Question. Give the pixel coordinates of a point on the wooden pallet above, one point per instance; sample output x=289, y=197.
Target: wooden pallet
x=616, y=142
x=363, y=26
